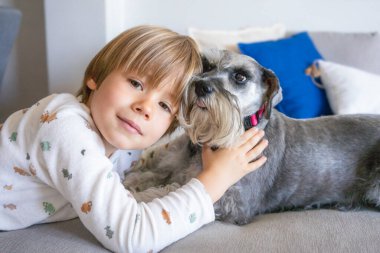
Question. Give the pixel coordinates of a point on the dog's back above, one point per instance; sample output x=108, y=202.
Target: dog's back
x=318, y=161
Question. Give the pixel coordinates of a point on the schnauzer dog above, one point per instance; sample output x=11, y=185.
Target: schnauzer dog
x=331, y=161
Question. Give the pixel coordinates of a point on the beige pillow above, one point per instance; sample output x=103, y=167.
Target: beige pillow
x=228, y=39
x=349, y=90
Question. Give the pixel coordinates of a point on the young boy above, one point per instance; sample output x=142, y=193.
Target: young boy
x=55, y=156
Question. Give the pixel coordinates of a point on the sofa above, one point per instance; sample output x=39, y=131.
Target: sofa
x=10, y=19
x=318, y=230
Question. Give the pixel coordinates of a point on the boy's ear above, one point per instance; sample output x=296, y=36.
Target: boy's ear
x=91, y=84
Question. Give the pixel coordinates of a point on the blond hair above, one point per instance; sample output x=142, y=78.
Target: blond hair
x=162, y=55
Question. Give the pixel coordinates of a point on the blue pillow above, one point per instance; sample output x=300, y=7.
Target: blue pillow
x=289, y=58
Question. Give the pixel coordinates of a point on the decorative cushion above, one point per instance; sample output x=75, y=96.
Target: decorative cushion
x=349, y=90
x=224, y=39
x=358, y=50
x=289, y=58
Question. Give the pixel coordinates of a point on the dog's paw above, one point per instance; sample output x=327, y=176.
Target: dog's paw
x=132, y=181
x=140, y=181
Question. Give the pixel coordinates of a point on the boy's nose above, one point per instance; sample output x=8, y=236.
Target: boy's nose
x=144, y=109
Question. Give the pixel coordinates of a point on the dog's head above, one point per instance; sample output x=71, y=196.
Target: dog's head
x=233, y=93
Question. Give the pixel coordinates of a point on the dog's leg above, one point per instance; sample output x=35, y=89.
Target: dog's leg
x=366, y=191
x=372, y=195
x=160, y=166
x=147, y=172
x=140, y=180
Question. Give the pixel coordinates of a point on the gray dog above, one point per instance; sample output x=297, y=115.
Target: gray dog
x=331, y=161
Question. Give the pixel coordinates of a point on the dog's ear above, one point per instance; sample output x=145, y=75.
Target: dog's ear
x=205, y=63
x=274, y=92
x=207, y=56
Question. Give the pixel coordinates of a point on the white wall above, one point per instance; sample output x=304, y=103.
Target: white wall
x=58, y=38
x=75, y=31
x=333, y=15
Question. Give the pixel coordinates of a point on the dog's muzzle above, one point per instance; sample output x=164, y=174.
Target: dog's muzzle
x=203, y=89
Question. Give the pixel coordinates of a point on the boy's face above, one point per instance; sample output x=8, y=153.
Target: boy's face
x=128, y=112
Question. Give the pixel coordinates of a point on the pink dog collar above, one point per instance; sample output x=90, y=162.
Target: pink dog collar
x=254, y=119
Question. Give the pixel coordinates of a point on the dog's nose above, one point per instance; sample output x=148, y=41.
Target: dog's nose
x=202, y=89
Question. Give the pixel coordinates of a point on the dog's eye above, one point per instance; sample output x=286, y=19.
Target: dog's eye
x=240, y=77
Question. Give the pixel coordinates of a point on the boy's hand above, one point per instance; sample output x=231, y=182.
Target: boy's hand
x=224, y=167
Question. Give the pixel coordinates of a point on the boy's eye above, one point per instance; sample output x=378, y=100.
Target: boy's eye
x=136, y=84
x=165, y=107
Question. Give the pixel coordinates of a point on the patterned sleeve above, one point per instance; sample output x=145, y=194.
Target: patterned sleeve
x=73, y=155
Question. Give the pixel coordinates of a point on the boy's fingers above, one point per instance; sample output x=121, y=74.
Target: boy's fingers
x=257, y=150
x=257, y=164
x=247, y=135
x=251, y=142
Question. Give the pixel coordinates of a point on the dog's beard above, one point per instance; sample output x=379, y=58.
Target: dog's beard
x=218, y=123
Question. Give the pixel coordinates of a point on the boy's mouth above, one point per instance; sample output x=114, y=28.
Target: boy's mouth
x=130, y=125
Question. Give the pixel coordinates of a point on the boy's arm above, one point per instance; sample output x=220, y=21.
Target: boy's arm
x=104, y=206
x=155, y=192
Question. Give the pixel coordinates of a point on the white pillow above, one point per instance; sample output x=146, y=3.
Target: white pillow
x=223, y=39
x=350, y=90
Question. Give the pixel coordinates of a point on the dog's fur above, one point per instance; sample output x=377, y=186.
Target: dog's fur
x=331, y=161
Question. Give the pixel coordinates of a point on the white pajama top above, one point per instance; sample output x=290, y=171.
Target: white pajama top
x=53, y=167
